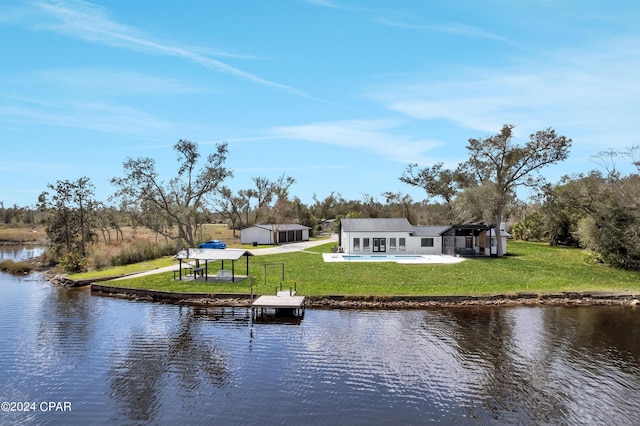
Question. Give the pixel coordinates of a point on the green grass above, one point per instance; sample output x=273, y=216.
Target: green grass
x=118, y=271
x=530, y=267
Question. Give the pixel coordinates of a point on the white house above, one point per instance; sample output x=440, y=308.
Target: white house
x=398, y=236
x=274, y=234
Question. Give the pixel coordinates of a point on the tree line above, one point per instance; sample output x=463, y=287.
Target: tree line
x=598, y=210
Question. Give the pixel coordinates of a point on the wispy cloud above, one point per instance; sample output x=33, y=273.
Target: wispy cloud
x=454, y=28
x=325, y=3
x=93, y=115
x=41, y=168
x=588, y=93
x=382, y=17
x=88, y=98
x=92, y=23
x=113, y=82
x=377, y=137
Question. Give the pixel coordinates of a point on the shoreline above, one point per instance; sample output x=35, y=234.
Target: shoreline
x=379, y=302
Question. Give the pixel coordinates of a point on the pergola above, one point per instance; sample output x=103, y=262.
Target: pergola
x=213, y=255
x=450, y=243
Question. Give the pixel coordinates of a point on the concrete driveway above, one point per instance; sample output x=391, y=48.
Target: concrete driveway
x=284, y=248
x=297, y=246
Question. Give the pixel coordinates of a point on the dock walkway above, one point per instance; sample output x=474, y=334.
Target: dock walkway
x=283, y=302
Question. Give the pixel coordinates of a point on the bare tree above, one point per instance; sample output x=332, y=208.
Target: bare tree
x=401, y=202
x=263, y=193
x=180, y=202
x=233, y=207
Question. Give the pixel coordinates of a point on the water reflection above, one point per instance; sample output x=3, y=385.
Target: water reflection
x=175, y=354
x=550, y=365
x=65, y=322
x=132, y=362
x=19, y=252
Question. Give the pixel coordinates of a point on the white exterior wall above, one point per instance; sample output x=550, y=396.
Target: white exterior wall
x=254, y=233
x=412, y=243
x=265, y=236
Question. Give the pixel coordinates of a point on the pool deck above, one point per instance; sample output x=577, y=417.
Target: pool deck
x=400, y=258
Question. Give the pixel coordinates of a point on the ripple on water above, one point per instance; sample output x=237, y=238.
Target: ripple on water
x=133, y=362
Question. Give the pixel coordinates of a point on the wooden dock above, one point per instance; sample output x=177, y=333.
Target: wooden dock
x=284, y=303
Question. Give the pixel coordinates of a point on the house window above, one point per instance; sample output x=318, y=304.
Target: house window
x=356, y=244
x=392, y=244
x=426, y=242
x=366, y=246
x=402, y=244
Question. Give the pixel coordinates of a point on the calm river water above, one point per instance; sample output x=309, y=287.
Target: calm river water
x=72, y=358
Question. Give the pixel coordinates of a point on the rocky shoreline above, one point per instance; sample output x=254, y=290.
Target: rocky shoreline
x=378, y=302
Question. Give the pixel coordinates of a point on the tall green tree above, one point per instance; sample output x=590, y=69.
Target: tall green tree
x=498, y=165
x=609, y=207
x=174, y=208
x=498, y=161
x=435, y=180
x=73, y=210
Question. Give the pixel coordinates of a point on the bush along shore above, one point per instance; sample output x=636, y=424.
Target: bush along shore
x=375, y=302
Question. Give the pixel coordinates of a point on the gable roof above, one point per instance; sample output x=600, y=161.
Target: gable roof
x=429, y=231
x=212, y=254
x=280, y=227
x=402, y=225
x=376, y=225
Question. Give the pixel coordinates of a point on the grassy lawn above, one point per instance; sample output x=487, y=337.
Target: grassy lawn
x=530, y=267
x=118, y=271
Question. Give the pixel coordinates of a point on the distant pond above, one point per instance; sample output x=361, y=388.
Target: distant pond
x=67, y=357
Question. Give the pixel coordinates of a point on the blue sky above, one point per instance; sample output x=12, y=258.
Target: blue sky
x=340, y=95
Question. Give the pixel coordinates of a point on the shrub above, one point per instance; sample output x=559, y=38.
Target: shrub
x=73, y=262
x=139, y=251
x=49, y=257
x=15, y=268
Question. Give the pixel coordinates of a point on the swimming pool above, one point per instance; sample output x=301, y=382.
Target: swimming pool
x=398, y=258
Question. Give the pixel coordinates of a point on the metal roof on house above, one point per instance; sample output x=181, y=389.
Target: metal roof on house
x=376, y=225
x=429, y=231
x=280, y=227
x=212, y=254
x=403, y=225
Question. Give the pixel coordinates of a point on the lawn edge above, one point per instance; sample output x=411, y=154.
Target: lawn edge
x=380, y=302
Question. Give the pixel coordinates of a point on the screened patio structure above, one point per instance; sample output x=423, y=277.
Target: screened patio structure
x=212, y=255
x=469, y=240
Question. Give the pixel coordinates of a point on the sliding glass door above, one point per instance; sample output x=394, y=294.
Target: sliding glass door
x=379, y=245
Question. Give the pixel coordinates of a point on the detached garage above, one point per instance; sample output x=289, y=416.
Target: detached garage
x=274, y=234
